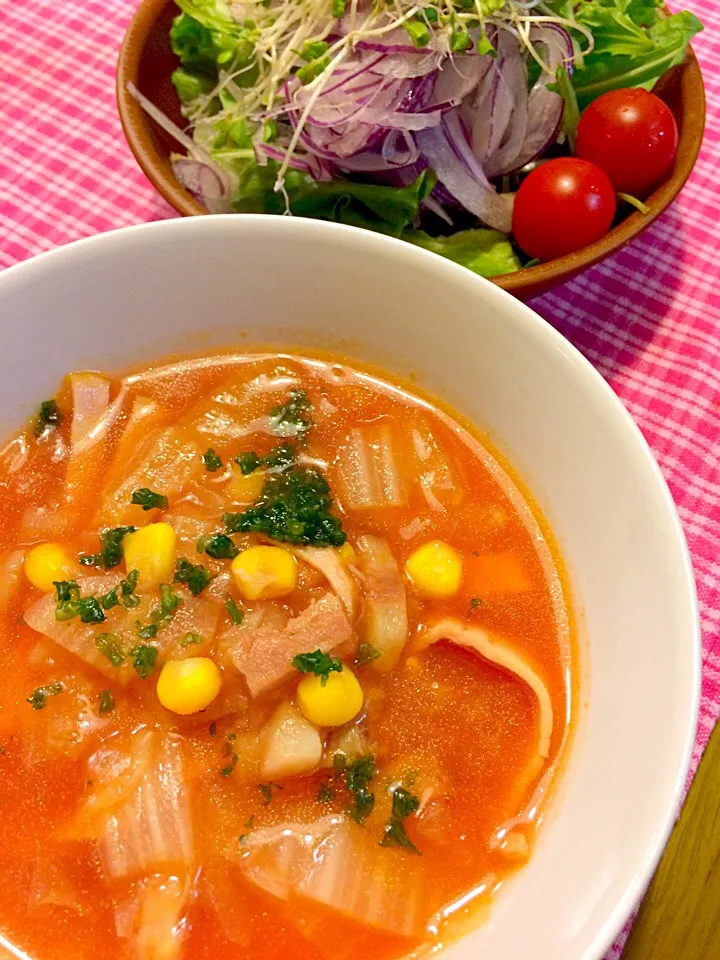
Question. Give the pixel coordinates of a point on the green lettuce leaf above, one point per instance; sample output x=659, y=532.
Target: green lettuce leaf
x=382, y=208
x=635, y=43
x=483, y=251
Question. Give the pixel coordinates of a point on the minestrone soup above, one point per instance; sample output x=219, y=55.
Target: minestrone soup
x=286, y=667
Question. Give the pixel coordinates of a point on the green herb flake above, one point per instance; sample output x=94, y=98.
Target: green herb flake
x=358, y=776
x=294, y=507
x=48, y=417
x=149, y=500
x=319, y=663
x=146, y=632
x=292, y=418
x=266, y=789
x=190, y=638
x=248, y=462
x=106, y=702
x=475, y=602
x=325, y=794
x=236, y=614
x=161, y=615
x=69, y=604
x=212, y=461
x=110, y=646
x=194, y=575
x=38, y=698
x=110, y=549
x=404, y=804
x=249, y=823
x=144, y=659
x=367, y=653
x=219, y=546
x=228, y=751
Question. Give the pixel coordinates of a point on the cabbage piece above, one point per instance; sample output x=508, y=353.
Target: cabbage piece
x=385, y=622
x=263, y=653
x=167, y=462
x=336, y=864
x=139, y=807
x=368, y=469
x=195, y=615
x=499, y=652
x=138, y=812
x=439, y=479
x=77, y=637
x=239, y=407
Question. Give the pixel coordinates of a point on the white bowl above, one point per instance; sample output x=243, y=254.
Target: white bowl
x=141, y=293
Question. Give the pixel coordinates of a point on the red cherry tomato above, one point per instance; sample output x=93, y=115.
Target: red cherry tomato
x=632, y=136
x=563, y=205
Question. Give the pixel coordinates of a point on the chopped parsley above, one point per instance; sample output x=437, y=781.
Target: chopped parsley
x=358, y=776
x=110, y=646
x=38, y=698
x=149, y=500
x=249, y=823
x=319, y=663
x=236, y=614
x=110, y=549
x=475, y=602
x=325, y=794
x=69, y=604
x=144, y=659
x=280, y=456
x=48, y=417
x=190, y=638
x=127, y=598
x=146, y=632
x=403, y=805
x=367, y=653
x=169, y=603
x=212, y=461
x=106, y=702
x=195, y=575
x=229, y=752
x=266, y=789
x=294, y=507
x=292, y=418
x=219, y=546
x=248, y=462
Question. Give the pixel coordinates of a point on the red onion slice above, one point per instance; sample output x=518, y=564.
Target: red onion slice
x=545, y=108
x=447, y=150
x=208, y=182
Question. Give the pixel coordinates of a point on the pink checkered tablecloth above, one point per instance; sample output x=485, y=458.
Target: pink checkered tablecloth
x=649, y=318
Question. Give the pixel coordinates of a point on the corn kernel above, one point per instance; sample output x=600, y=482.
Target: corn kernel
x=435, y=569
x=335, y=703
x=46, y=563
x=346, y=553
x=245, y=488
x=188, y=686
x=262, y=573
x=151, y=551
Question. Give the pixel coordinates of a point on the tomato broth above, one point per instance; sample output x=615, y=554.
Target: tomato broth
x=208, y=749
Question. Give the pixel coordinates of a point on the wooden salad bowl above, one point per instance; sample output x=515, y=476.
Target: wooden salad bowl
x=147, y=61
